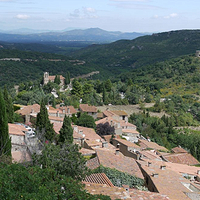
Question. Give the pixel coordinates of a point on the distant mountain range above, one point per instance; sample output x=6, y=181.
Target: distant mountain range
x=92, y=34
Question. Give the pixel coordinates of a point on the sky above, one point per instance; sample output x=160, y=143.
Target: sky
x=111, y=15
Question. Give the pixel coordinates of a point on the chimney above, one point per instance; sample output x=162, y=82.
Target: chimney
x=111, y=123
x=163, y=167
x=76, y=129
x=149, y=164
x=68, y=110
x=198, y=172
x=104, y=144
x=32, y=111
x=118, y=144
x=155, y=175
x=64, y=110
x=57, y=114
x=80, y=132
x=126, y=187
x=138, y=156
x=117, y=152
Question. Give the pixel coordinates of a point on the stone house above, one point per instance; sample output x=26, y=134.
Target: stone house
x=127, y=148
x=90, y=110
x=48, y=78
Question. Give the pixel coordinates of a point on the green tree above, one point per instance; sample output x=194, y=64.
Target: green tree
x=9, y=105
x=43, y=123
x=65, y=159
x=57, y=79
x=108, y=85
x=77, y=89
x=104, y=94
x=67, y=78
x=5, y=141
x=66, y=132
x=19, y=182
x=86, y=121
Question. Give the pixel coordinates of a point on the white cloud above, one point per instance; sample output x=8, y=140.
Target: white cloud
x=21, y=16
x=171, y=16
x=83, y=13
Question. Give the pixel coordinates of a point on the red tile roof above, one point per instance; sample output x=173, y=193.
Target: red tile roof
x=119, y=112
x=152, y=145
x=181, y=158
x=27, y=110
x=127, y=143
x=53, y=77
x=72, y=110
x=99, y=178
x=179, y=150
x=120, y=162
x=15, y=129
x=121, y=193
x=93, y=163
x=87, y=152
x=89, y=133
x=87, y=108
x=167, y=182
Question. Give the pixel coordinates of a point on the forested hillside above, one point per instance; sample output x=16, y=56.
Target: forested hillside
x=127, y=54
x=30, y=66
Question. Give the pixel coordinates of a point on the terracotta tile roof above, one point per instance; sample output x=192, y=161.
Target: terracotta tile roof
x=119, y=112
x=21, y=156
x=71, y=109
x=89, y=133
x=127, y=143
x=15, y=129
x=179, y=150
x=130, y=131
x=150, y=155
x=121, y=193
x=181, y=158
x=57, y=126
x=108, y=113
x=100, y=115
x=27, y=110
x=58, y=119
x=99, y=178
x=120, y=162
x=93, y=163
x=179, y=168
x=87, y=108
x=53, y=77
x=124, y=124
x=107, y=119
x=146, y=144
x=146, y=195
x=167, y=181
x=53, y=110
x=87, y=152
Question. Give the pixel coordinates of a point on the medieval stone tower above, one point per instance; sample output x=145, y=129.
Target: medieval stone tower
x=46, y=78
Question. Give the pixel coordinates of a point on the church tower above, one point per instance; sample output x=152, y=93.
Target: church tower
x=46, y=78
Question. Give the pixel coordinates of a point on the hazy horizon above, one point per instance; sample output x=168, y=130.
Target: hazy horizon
x=110, y=15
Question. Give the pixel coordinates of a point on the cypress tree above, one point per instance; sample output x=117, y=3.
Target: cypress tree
x=9, y=105
x=57, y=80
x=43, y=122
x=66, y=132
x=5, y=141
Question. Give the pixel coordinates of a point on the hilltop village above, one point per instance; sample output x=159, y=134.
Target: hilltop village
x=134, y=136
x=109, y=141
